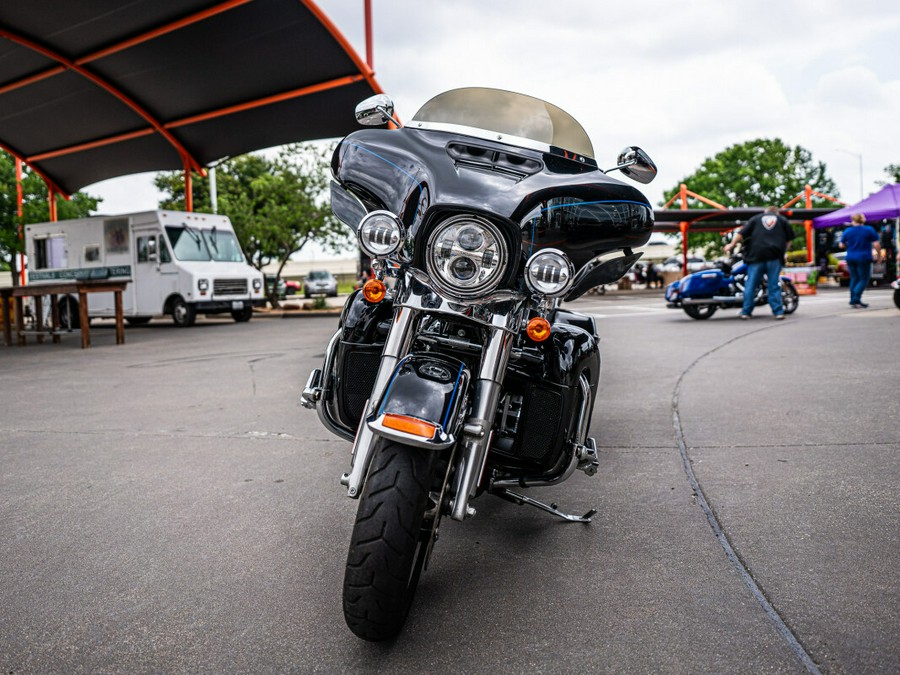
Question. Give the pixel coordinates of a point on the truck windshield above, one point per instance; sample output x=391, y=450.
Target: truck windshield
x=193, y=244
x=223, y=245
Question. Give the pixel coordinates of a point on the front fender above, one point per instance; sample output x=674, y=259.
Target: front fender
x=424, y=402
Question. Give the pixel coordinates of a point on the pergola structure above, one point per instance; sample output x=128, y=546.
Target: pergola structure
x=722, y=219
x=95, y=89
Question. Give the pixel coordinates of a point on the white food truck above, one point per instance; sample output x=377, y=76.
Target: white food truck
x=180, y=264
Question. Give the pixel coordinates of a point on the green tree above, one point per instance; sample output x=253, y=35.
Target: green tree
x=35, y=209
x=277, y=206
x=892, y=171
x=762, y=172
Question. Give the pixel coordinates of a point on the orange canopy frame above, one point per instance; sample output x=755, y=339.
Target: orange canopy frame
x=720, y=218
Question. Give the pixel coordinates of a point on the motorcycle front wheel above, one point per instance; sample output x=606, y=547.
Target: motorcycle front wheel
x=700, y=312
x=389, y=544
x=789, y=297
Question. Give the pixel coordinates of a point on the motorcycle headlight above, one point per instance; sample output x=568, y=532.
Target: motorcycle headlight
x=549, y=272
x=467, y=255
x=380, y=234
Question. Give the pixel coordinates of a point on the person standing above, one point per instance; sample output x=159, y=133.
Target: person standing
x=767, y=237
x=859, y=239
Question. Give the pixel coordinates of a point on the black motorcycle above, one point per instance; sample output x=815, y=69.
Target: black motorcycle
x=454, y=370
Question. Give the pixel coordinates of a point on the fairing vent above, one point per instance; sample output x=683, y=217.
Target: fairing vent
x=357, y=380
x=540, y=423
x=229, y=287
x=489, y=159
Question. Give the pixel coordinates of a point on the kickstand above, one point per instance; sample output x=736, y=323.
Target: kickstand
x=516, y=498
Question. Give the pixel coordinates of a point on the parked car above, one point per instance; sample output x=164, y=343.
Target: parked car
x=695, y=264
x=291, y=287
x=281, y=288
x=842, y=274
x=320, y=282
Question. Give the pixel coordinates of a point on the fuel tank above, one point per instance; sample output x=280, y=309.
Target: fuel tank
x=551, y=200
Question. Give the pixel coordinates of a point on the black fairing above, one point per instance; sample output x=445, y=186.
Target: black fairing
x=416, y=173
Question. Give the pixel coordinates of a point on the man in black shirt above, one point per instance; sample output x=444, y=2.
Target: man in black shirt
x=766, y=237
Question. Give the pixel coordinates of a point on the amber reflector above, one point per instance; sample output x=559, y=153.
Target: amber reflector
x=409, y=425
x=374, y=290
x=538, y=329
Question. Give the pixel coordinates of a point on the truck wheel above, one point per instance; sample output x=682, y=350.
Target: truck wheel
x=242, y=315
x=390, y=541
x=183, y=314
x=700, y=312
x=68, y=313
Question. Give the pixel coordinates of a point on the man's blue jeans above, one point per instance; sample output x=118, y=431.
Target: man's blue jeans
x=755, y=271
x=859, y=279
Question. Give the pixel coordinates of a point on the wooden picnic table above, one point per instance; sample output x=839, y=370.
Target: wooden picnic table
x=54, y=290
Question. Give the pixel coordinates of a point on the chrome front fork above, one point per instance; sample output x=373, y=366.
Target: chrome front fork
x=395, y=348
x=475, y=438
x=476, y=432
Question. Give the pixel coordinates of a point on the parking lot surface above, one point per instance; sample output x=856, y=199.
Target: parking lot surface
x=167, y=506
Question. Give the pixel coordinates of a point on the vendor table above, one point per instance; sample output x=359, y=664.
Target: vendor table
x=37, y=291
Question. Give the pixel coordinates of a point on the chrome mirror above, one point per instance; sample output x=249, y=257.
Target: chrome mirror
x=375, y=111
x=636, y=164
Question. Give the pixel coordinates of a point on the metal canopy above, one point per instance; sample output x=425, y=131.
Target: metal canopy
x=95, y=89
x=721, y=220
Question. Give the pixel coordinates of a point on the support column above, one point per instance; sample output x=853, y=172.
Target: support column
x=188, y=189
x=19, y=213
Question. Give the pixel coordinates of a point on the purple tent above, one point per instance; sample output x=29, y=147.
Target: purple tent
x=883, y=204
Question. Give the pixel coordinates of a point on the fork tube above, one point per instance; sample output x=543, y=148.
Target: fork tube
x=396, y=346
x=477, y=428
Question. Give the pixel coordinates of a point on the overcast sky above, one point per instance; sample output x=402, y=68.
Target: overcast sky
x=683, y=80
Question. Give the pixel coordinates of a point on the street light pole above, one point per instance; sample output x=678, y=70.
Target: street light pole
x=859, y=157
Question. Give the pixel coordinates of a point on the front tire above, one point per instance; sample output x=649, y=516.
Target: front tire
x=242, y=315
x=700, y=312
x=390, y=541
x=183, y=314
x=897, y=297
x=789, y=297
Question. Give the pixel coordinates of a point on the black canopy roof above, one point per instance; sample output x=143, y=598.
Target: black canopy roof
x=93, y=89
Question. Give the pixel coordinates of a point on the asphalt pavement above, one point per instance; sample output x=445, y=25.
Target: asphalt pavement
x=167, y=506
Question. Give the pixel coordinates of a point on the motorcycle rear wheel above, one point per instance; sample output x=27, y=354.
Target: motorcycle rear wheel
x=389, y=544
x=700, y=312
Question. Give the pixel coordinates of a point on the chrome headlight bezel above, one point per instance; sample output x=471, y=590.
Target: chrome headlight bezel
x=549, y=272
x=484, y=253
x=380, y=234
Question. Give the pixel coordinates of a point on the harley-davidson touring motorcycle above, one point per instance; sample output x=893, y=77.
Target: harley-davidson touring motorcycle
x=454, y=371
x=701, y=293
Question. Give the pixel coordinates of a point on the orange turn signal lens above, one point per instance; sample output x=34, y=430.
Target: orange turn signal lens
x=410, y=425
x=374, y=290
x=538, y=329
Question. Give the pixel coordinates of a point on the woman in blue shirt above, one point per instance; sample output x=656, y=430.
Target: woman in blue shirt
x=859, y=239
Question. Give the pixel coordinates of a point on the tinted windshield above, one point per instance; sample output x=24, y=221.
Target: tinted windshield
x=194, y=244
x=506, y=113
